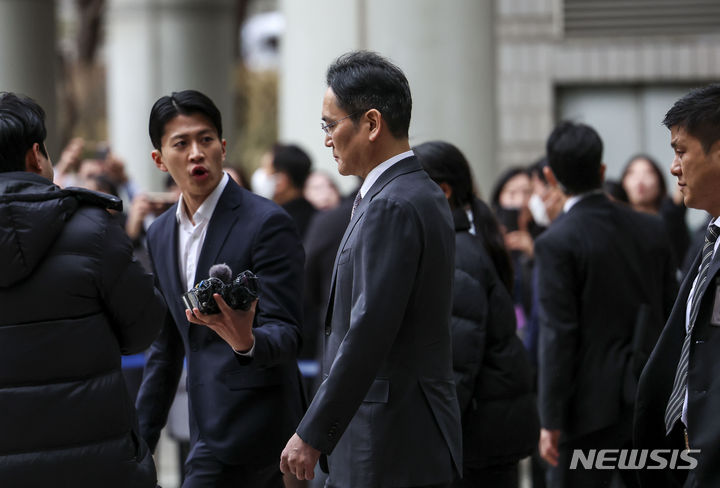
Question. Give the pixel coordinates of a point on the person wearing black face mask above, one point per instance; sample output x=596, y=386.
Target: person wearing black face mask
x=509, y=201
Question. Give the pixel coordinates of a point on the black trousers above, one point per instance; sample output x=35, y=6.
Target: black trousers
x=500, y=476
x=204, y=470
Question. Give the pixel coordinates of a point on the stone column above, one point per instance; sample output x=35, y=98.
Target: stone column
x=446, y=50
x=27, y=56
x=155, y=47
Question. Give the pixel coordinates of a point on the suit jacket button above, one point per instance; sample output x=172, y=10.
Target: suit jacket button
x=193, y=346
x=327, y=331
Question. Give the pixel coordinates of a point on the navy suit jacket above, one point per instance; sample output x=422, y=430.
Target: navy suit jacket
x=244, y=409
x=387, y=411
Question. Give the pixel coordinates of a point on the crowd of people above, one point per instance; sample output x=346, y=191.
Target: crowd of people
x=407, y=334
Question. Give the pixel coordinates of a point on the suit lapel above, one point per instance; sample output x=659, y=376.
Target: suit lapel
x=223, y=218
x=402, y=167
x=166, y=253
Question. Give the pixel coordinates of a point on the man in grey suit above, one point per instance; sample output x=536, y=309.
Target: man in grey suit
x=386, y=414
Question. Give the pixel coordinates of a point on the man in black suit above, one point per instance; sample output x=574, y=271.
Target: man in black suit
x=321, y=243
x=290, y=168
x=679, y=391
x=606, y=285
x=242, y=377
x=386, y=413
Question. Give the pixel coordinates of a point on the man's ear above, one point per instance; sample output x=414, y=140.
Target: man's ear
x=282, y=181
x=603, y=167
x=158, y=159
x=32, y=159
x=376, y=123
x=550, y=177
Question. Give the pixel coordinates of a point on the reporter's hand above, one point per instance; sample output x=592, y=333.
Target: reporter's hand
x=520, y=240
x=233, y=326
x=299, y=458
x=139, y=209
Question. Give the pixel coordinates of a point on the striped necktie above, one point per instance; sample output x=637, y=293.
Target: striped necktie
x=677, y=397
x=356, y=202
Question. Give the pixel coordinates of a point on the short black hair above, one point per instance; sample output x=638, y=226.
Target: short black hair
x=22, y=124
x=574, y=153
x=186, y=102
x=293, y=161
x=698, y=113
x=536, y=169
x=363, y=80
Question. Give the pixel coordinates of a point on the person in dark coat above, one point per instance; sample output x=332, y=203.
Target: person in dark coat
x=291, y=167
x=678, y=395
x=321, y=243
x=492, y=372
x=386, y=413
x=606, y=284
x=73, y=300
x=243, y=382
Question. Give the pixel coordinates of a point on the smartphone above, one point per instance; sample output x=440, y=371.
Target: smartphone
x=508, y=218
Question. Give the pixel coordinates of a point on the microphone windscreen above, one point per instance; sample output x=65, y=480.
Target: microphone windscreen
x=221, y=271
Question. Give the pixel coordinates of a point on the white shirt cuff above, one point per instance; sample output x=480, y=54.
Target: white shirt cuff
x=247, y=354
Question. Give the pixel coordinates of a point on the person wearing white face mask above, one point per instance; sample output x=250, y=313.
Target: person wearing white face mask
x=510, y=200
x=262, y=180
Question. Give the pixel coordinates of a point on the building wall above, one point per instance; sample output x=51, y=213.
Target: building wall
x=535, y=61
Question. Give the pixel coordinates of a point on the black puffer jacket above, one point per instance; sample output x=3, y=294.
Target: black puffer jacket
x=492, y=371
x=72, y=300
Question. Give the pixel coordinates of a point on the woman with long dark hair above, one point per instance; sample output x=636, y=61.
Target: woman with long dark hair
x=492, y=372
x=644, y=184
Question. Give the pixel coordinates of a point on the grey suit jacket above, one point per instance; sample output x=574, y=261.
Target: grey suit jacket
x=387, y=411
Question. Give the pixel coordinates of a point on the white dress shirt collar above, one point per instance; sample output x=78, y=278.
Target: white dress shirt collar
x=573, y=200
x=191, y=237
x=206, y=209
x=375, y=173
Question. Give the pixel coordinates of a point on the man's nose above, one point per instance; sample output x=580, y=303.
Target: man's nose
x=675, y=167
x=195, y=151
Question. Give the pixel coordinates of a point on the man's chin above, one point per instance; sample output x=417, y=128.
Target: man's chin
x=342, y=169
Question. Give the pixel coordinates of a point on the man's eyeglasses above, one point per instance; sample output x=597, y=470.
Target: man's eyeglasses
x=327, y=127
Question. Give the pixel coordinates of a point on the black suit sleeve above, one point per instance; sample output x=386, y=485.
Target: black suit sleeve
x=163, y=367
x=559, y=330
x=278, y=261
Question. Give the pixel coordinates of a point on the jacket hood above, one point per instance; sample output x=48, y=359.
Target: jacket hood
x=33, y=212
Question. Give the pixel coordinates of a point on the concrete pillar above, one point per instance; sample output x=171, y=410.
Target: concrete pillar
x=155, y=47
x=27, y=57
x=316, y=32
x=446, y=50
